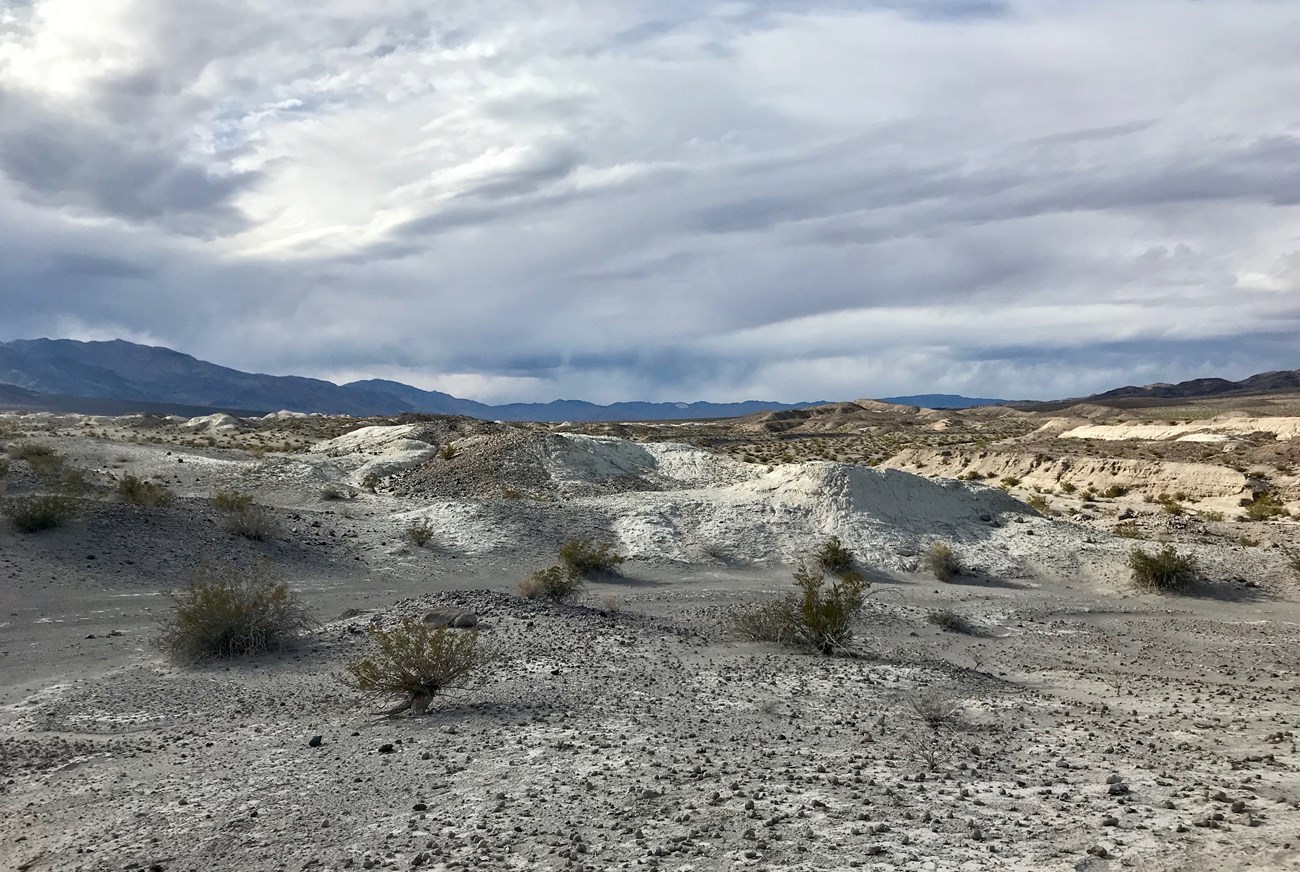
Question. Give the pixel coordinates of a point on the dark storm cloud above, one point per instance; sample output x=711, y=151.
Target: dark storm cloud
x=62, y=161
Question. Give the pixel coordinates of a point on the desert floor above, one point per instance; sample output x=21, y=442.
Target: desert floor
x=1095, y=727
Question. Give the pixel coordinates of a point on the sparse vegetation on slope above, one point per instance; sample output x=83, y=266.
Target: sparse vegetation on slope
x=139, y=492
x=556, y=583
x=32, y=514
x=587, y=557
x=940, y=560
x=818, y=617
x=226, y=612
x=414, y=662
x=1166, y=571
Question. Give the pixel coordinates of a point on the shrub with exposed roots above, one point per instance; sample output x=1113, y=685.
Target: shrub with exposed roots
x=414, y=662
x=32, y=514
x=819, y=616
x=942, y=563
x=1165, y=571
x=587, y=557
x=556, y=583
x=140, y=492
x=225, y=613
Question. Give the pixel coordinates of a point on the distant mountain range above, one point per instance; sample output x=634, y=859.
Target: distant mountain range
x=118, y=377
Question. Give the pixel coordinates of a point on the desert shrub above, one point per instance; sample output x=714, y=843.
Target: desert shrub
x=1128, y=530
x=937, y=710
x=1114, y=491
x=370, y=481
x=818, y=616
x=1207, y=515
x=587, y=557
x=333, y=492
x=557, y=583
x=1172, y=507
x=510, y=493
x=139, y=492
x=1264, y=507
x=32, y=514
x=941, y=562
x=415, y=661
x=834, y=558
x=1039, y=503
x=1164, y=571
x=1068, y=487
x=447, y=451
x=226, y=612
x=1010, y=481
x=231, y=500
x=772, y=621
x=419, y=533
x=825, y=611
x=252, y=522
x=952, y=622
x=30, y=451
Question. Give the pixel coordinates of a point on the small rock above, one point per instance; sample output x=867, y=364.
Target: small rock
x=386, y=748
x=1099, y=852
x=1118, y=789
x=465, y=621
x=1110, y=821
x=315, y=741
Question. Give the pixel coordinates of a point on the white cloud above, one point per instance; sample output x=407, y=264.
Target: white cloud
x=718, y=200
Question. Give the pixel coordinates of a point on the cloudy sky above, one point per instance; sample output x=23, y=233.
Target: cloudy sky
x=669, y=200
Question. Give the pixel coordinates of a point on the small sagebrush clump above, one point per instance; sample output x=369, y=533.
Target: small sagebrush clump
x=1039, y=503
x=227, y=613
x=941, y=562
x=243, y=517
x=1263, y=507
x=419, y=533
x=557, y=584
x=818, y=617
x=1165, y=571
x=140, y=492
x=32, y=514
x=414, y=662
x=834, y=558
x=587, y=557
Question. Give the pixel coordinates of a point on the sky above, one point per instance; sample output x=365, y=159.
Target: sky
x=675, y=200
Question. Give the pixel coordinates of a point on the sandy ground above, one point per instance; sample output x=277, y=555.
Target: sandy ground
x=1098, y=728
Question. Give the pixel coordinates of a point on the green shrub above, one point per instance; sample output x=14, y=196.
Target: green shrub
x=941, y=562
x=1129, y=530
x=1264, y=507
x=447, y=451
x=1068, y=487
x=32, y=514
x=232, y=500
x=251, y=522
x=1164, y=571
x=1114, y=491
x=415, y=661
x=818, y=617
x=225, y=613
x=1010, y=481
x=139, y=492
x=834, y=558
x=30, y=451
x=1039, y=503
x=557, y=583
x=586, y=557
x=419, y=533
